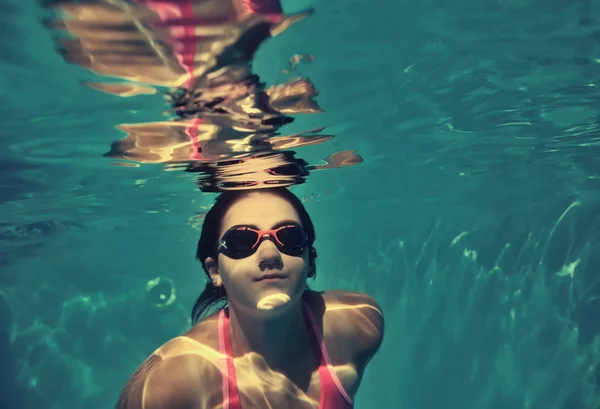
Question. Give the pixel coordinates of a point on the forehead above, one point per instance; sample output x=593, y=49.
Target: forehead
x=263, y=210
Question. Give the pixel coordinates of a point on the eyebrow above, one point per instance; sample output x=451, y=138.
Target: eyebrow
x=277, y=225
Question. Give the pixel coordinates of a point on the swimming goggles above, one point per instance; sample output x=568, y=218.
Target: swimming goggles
x=242, y=241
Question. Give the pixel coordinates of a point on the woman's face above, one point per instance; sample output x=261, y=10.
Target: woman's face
x=243, y=278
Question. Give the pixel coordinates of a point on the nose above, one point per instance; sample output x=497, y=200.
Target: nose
x=268, y=255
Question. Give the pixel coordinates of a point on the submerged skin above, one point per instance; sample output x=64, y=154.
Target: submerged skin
x=275, y=364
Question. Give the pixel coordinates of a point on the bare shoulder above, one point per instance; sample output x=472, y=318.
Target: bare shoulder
x=350, y=298
x=357, y=316
x=174, y=376
x=353, y=305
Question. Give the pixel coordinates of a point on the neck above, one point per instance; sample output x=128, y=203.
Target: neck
x=275, y=337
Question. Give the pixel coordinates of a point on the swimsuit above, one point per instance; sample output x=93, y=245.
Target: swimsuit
x=333, y=395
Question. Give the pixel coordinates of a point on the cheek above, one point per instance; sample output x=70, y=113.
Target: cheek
x=236, y=274
x=230, y=269
x=297, y=264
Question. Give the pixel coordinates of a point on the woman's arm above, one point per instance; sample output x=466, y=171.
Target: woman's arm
x=165, y=383
x=361, y=320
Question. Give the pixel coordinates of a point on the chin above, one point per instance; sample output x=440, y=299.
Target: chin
x=277, y=301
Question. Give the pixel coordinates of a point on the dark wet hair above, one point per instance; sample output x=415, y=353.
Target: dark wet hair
x=213, y=296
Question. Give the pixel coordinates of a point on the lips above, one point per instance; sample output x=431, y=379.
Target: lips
x=271, y=276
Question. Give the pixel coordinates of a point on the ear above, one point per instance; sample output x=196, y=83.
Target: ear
x=213, y=270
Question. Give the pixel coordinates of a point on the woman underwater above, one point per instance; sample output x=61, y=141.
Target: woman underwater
x=275, y=343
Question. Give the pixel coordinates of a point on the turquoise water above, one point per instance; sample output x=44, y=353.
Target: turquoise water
x=474, y=218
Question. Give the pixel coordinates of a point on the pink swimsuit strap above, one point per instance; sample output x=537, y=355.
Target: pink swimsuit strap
x=333, y=395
